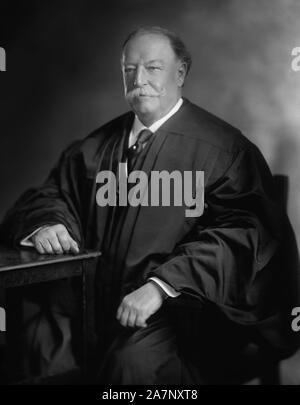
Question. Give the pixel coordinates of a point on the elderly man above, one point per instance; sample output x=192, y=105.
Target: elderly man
x=153, y=256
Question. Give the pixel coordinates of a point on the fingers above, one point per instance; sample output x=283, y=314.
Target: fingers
x=119, y=312
x=130, y=318
x=122, y=315
x=67, y=243
x=42, y=243
x=73, y=246
x=47, y=246
x=54, y=239
x=55, y=245
x=140, y=322
x=127, y=319
x=124, y=318
x=39, y=248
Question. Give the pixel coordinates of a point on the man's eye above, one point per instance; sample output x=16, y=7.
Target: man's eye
x=129, y=69
x=154, y=68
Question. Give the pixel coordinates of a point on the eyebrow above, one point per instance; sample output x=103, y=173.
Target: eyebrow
x=155, y=61
x=148, y=62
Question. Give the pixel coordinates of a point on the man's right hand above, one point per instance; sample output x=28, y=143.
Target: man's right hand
x=54, y=239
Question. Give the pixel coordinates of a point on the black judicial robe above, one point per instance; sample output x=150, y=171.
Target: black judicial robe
x=228, y=257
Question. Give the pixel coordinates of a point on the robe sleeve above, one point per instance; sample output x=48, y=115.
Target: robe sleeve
x=230, y=256
x=56, y=201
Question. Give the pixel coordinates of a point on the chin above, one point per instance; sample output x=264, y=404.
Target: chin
x=145, y=105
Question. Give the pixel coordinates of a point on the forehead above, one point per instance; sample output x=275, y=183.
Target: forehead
x=148, y=47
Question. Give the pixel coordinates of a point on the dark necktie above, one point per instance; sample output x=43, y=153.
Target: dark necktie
x=132, y=152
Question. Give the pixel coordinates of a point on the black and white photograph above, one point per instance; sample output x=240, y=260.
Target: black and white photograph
x=149, y=195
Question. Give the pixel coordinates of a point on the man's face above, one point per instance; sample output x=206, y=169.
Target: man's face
x=153, y=76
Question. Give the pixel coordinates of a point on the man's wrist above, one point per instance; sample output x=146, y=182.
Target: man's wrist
x=162, y=292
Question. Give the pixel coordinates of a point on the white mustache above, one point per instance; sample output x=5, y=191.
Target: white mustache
x=144, y=91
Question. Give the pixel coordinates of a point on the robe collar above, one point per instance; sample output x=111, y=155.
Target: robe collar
x=139, y=126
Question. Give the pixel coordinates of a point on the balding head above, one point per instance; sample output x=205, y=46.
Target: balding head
x=154, y=71
x=176, y=43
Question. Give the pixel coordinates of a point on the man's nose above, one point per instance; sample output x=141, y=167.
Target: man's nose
x=140, y=77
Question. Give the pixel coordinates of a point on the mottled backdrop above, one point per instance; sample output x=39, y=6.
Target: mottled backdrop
x=63, y=76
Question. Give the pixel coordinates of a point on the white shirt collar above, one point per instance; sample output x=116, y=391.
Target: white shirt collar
x=138, y=125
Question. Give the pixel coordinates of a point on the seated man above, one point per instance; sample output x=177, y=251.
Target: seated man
x=224, y=256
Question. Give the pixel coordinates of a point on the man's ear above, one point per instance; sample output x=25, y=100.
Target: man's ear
x=181, y=74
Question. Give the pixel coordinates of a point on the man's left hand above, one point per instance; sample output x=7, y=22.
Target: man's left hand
x=139, y=305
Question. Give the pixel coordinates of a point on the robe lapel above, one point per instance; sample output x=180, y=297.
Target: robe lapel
x=109, y=159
